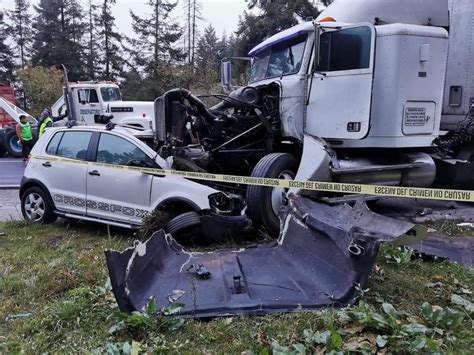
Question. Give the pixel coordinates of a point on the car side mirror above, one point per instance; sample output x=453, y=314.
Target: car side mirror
x=226, y=74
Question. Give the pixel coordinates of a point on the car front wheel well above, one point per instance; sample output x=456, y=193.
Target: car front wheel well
x=175, y=207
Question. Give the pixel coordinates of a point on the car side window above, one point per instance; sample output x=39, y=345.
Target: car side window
x=119, y=151
x=74, y=145
x=54, y=144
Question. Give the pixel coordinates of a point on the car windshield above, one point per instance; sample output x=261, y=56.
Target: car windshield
x=110, y=94
x=282, y=59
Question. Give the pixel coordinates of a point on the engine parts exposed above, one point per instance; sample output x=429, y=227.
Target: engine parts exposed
x=229, y=137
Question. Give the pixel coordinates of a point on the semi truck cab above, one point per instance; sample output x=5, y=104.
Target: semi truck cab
x=357, y=85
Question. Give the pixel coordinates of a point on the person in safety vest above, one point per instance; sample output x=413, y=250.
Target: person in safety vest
x=25, y=135
x=46, y=121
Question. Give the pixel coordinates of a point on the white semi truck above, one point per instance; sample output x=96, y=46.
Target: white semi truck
x=372, y=91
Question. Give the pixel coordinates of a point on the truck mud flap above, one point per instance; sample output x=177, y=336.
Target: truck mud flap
x=321, y=257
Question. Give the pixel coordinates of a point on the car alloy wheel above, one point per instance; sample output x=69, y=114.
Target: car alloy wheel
x=35, y=207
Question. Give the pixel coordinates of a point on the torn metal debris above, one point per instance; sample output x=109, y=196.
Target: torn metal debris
x=458, y=250
x=322, y=254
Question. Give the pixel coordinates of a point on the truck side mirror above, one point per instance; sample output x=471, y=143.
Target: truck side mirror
x=226, y=74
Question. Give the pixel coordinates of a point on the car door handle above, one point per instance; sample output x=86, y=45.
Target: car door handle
x=94, y=173
x=47, y=164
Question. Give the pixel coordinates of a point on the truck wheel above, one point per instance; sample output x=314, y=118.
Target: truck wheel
x=183, y=222
x=37, y=207
x=11, y=143
x=264, y=203
x=2, y=150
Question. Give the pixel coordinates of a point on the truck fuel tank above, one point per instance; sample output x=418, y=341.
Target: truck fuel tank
x=411, y=169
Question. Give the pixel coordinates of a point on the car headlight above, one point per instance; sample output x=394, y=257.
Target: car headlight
x=222, y=203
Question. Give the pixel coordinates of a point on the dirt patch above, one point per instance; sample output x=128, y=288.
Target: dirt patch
x=56, y=241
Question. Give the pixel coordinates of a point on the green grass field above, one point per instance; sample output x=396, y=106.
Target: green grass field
x=54, y=298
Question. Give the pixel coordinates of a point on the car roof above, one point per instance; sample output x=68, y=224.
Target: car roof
x=99, y=128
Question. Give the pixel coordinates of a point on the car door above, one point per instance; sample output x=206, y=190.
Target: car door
x=118, y=194
x=340, y=95
x=66, y=179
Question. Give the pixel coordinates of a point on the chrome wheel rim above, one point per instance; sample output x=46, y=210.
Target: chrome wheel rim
x=34, y=207
x=279, y=193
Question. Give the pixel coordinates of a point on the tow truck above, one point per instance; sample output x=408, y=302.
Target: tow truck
x=9, y=117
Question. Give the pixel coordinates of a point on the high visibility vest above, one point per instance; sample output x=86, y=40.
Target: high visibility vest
x=25, y=130
x=43, y=125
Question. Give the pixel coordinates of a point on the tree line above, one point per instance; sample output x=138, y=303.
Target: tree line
x=162, y=53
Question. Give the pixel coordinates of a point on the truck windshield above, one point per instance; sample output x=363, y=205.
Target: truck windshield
x=281, y=59
x=110, y=94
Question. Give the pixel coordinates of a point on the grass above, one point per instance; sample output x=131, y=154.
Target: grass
x=450, y=228
x=53, y=299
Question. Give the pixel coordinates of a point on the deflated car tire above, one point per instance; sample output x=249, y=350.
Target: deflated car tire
x=37, y=207
x=183, y=222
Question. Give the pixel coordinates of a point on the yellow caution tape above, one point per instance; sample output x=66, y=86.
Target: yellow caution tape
x=320, y=186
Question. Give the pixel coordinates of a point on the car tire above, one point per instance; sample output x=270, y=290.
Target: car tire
x=183, y=222
x=37, y=207
x=11, y=144
x=264, y=203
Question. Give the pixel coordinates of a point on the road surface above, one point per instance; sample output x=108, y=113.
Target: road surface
x=9, y=205
x=11, y=172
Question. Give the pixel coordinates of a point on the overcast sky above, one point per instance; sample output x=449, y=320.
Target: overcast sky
x=223, y=14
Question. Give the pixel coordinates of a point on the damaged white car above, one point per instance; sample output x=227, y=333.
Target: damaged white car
x=66, y=177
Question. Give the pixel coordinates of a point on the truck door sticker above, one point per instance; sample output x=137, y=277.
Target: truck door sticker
x=87, y=111
x=415, y=116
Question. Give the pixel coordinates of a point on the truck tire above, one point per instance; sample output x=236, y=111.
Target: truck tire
x=264, y=203
x=37, y=206
x=2, y=149
x=183, y=222
x=11, y=144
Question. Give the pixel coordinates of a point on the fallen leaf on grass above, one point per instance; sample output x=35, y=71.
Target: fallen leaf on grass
x=351, y=345
x=354, y=328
